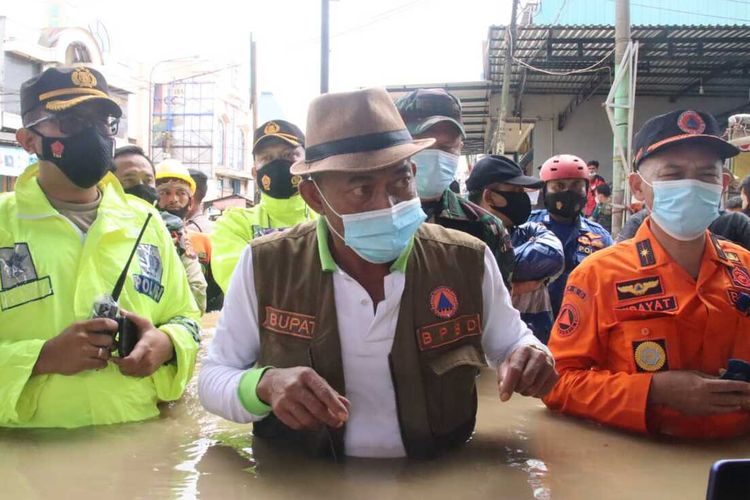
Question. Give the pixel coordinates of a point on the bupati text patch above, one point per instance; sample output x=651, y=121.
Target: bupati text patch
x=289, y=323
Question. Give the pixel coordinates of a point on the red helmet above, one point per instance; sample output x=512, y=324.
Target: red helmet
x=564, y=167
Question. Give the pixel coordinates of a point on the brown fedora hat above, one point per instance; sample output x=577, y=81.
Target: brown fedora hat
x=356, y=132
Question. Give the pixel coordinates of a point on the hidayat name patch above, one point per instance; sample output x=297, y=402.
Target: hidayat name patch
x=653, y=305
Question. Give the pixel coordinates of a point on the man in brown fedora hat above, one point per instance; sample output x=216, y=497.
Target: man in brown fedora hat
x=360, y=333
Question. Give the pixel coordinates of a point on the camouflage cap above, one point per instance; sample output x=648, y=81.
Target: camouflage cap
x=422, y=109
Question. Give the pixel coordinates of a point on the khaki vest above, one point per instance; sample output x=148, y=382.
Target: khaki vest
x=437, y=350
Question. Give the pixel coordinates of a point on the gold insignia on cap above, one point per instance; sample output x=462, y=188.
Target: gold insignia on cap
x=83, y=77
x=271, y=128
x=296, y=180
x=266, y=181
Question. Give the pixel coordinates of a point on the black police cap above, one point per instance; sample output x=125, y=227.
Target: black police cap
x=496, y=168
x=679, y=127
x=279, y=129
x=61, y=89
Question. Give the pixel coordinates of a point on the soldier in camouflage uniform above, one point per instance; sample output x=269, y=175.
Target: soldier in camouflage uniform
x=436, y=113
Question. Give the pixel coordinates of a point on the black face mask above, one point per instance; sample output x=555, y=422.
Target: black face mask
x=567, y=204
x=518, y=208
x=275, y=180
x=84, y=158
x=144, y=192
x=179, y=212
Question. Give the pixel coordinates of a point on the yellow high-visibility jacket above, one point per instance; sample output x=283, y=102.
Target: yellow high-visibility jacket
x=50, y=276
x=238, y=226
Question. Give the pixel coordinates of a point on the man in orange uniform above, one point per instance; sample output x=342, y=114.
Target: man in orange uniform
x=647, y=326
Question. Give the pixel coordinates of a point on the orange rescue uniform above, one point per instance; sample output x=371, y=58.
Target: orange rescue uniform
x=630, y=311
x=201, y=245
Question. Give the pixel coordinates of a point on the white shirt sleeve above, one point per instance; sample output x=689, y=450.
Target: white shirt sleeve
x=503, y=330
x=235, y=347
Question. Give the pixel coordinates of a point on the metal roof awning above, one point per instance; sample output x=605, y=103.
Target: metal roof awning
x=674, y=61
x=475, y=102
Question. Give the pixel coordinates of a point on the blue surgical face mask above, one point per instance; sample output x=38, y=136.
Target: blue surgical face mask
x=435, y=171
x=685, y=208
x=380, y=236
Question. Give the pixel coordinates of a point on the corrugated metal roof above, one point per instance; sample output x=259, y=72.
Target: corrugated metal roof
x=642, y=12
x=673, y=60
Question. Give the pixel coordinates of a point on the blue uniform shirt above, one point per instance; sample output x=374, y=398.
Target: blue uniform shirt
x=539, y=256
x=579, y=240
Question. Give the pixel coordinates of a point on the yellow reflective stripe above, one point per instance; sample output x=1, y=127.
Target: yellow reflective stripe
x=25, y=293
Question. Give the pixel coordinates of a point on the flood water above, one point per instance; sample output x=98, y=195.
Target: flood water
x=519, y=451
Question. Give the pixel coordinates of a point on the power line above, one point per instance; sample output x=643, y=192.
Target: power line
x=382, y=16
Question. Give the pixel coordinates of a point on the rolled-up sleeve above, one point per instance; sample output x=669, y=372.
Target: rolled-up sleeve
x=502, y=329
x=234, y=349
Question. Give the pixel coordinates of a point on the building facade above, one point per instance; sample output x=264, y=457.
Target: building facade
x=201, y=116
x=25, y=52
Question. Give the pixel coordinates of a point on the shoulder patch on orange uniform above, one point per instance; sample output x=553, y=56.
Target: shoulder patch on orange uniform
x=733, y=257
x=645, y=253
x=572, y=289
x=739, y=276
x=568, y=320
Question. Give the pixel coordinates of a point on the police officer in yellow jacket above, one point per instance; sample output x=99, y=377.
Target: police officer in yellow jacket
x=277, y=145
x=67, y=233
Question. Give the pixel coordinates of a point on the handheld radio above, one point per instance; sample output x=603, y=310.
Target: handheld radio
x=107, y=306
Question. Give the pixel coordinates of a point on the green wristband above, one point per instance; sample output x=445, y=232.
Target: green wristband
x=247, y=391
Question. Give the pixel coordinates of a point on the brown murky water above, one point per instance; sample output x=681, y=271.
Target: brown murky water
x=520, y=450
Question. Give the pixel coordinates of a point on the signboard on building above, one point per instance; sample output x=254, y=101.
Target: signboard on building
x=14, y=160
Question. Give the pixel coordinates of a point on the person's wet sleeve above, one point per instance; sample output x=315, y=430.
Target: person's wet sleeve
x=232, y=233
x=178, y=316
x=228, y=376
x=540, y=256
x=503, y=331
x=586, y=389
x=19, y=390
x=196, y=280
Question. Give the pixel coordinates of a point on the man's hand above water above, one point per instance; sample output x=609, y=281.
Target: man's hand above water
x=528, y=371
x=302, y=399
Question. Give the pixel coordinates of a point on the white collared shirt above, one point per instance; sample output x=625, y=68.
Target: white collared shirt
x=366, y=339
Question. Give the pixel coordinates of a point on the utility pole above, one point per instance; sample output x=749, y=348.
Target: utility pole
x=510, y=41
x=254, y=82
x=324, y=46
x=622, y=98
x=254, y=110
